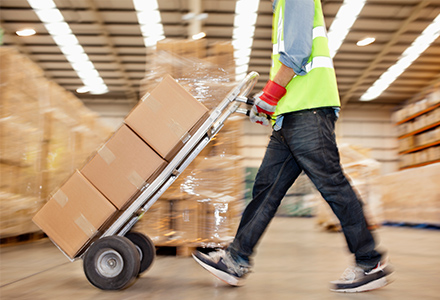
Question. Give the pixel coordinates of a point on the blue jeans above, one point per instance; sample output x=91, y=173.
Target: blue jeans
x=306, y=142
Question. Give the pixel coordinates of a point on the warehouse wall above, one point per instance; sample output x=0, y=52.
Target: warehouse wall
x=370, y=126
x=111, y=113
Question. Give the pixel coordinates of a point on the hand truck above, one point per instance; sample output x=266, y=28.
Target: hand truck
x=115, y=259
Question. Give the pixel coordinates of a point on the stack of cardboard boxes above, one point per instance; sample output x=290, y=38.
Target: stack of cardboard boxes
x=202, y=208
x=45, y=133
x=418, y=131
x=411, y=196
x=154, y=131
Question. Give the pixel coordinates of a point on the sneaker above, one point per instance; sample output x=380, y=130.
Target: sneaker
x=221, y=265
x=356, y=279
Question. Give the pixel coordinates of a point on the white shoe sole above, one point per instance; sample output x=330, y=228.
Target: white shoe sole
x=229, y=279
x=366, y=287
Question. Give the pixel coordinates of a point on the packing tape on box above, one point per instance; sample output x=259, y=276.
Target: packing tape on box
x=179, y=131
x=136, y=179
x=85, y=225
x=107, y=155
x=152, y=103
x=61, y=198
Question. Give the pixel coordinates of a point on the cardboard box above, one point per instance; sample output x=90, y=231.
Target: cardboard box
x=122, y=166
x=74, y=214
x=167, y=117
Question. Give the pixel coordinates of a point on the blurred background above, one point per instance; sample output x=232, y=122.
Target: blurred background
x=71, y=71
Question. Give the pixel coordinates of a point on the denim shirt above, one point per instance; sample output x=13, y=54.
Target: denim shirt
x=298, y=34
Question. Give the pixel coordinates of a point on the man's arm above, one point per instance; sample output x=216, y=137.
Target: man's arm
x=284, y=75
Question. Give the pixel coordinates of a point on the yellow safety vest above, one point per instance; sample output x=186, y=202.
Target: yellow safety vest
x=318, y=88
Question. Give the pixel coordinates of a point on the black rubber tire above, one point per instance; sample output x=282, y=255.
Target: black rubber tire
x=111, y=263
x=145, y=247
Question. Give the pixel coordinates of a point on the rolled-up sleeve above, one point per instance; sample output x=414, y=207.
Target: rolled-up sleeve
x=298, y=34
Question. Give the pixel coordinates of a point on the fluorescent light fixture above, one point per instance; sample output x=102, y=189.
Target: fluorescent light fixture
x=420, y=44
x=83, y=89
x=58, y=28
x=366, y=41
x=66, y=40
x=242, y=60
x=26, y=32
x=61, y=33
x=199, y=36
x=342, y=23
x=37, y=4
x=245, y=52
x=151, y=23
x=243, y=34
x=50, y=15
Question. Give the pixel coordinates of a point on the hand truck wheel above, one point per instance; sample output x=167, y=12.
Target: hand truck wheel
x=145, y=248
x=111, y=263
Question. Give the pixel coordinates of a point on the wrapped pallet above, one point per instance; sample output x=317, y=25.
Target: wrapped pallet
x=203, y=206
x=411, y=196
x=362, y=172
x=45, y=133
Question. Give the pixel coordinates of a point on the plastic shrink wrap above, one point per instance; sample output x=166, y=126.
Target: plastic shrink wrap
x=362, y=172
x=203, y=207
x=45, y=133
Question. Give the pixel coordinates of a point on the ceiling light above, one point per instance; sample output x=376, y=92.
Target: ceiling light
x=149, y=18
x=26, y=32
x=366, y=41
x=58, y=28
x=50, y=15
x=342, y=23
x=38, y=4
x=199, y=36
x=61, y=33
x=243, y=34
x=83, y=89
x=420, y=44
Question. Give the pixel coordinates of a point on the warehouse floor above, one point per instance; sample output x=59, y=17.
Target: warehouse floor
x=295, y=260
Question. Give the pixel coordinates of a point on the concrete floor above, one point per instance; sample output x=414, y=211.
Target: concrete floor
x=295, y=260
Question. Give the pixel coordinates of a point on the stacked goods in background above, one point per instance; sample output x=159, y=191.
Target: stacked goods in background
x=303, y=199
x=362, y=172
x=208, y=74
x=203, y=206
x=412, y=196
x=300, y=200
x=112, y=179
x=45, y=133
x=418, y=131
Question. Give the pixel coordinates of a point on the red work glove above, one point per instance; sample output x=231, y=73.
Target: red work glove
x=266, y=101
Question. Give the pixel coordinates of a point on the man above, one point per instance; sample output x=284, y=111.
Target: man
x=302, y=97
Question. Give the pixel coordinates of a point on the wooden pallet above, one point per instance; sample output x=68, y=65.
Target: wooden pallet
x=180, y=249
x=21, y=239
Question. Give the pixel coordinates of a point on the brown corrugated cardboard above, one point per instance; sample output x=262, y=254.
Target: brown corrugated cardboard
x=122, y=166
x=74, y=214
x=166, y=116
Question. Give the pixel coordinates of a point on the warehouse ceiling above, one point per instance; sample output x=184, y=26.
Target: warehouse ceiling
x=110, y=34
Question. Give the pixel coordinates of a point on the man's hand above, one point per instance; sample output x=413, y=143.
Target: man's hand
x=267, y=100
x=258, y=118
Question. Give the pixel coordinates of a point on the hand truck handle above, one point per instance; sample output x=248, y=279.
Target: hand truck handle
x=248, y=101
